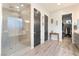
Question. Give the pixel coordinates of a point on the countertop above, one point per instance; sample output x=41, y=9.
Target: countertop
x=76, y=31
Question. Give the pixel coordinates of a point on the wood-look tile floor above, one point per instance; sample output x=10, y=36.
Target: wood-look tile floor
x=51, y=48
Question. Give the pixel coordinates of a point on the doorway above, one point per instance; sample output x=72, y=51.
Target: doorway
x=46, y=27
x=37, y=17
x=67, y=26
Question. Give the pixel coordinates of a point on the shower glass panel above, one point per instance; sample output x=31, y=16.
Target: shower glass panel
x=15, y=29
x=11, y=41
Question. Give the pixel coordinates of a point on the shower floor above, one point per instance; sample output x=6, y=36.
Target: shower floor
x=15, y=47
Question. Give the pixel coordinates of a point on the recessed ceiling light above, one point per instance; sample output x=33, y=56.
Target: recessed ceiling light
x=17, y=7
x=58, y=3
x=22, y=5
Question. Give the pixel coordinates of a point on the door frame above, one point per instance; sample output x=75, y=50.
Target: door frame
x=71, y=25
x=40, y=26
x=44, y=27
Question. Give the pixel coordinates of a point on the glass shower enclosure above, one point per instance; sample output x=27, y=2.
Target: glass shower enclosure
x=15, y=31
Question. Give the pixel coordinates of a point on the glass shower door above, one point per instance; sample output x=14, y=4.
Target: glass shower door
x=14, y=27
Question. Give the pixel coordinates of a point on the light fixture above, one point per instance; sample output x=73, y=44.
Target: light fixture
x=17, y=7
x=58, y=3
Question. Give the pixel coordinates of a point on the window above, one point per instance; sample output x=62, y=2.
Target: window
x=14, y=22
x=14, y=25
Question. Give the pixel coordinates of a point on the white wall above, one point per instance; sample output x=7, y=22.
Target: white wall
x=43, y=11
x=0, y=26
x=58, y=16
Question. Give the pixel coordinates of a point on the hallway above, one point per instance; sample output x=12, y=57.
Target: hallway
x=52, y=48
x=40, y=27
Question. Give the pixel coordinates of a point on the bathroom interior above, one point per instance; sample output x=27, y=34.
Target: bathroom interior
x=15, y=27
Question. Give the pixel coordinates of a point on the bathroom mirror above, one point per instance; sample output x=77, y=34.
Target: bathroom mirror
x=75, y=26
x=51, y=21
x=78, y=24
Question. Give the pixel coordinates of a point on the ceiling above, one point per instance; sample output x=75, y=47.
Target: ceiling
x=51, y=7
x=16, y=6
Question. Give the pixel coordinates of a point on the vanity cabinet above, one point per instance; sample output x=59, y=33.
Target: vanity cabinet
x=76, y=39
